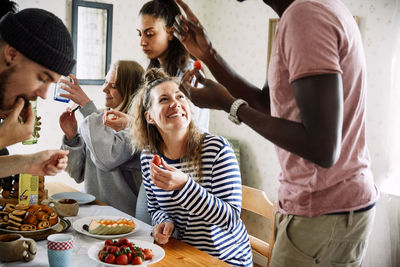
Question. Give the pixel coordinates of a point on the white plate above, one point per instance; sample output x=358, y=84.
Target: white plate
x=78, y=224
x=36, y=231
x=82, y=198
x=158, y=251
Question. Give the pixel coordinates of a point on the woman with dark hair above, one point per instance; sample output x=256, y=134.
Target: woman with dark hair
x=98, y=153
x=164, y=51
x=192, y=179
x=156, y=31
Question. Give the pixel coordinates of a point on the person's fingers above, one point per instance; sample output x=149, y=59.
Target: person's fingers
x=64, y=115
x=18, y=106
x=58, y=153
x=166, y=166
x=168, y=229
x=50, y=168
x=160, y=182
x=61, y=166
x=112, y=112
x=189, y=14
x=73, y=77
x=186, y=86
x=187, y=76
x=30, y=116
x=160, y=238
x=180, y=25
x=69, y=89
x=63, y=158
x=67, y=82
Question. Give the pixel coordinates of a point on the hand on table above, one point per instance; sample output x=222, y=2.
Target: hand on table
x=162, y=232
x=47, y=162
x=116, y=120
x=167, y=178
x=75, y=91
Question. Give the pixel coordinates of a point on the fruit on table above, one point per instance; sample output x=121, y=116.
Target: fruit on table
x=111, y=227
x=123, y=252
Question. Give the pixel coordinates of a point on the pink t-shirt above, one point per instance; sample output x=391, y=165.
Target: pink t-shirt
x=321, y=37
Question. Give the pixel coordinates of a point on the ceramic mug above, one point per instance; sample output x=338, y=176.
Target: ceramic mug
x=64, y=207
x=59, y=249
x=15, y=247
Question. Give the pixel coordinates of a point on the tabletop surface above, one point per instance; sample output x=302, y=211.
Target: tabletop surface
x=177, y=253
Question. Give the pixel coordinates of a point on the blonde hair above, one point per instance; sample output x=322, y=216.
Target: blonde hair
x=129, y=76
x=146, y=136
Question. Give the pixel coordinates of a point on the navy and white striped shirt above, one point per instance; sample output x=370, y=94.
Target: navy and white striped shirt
x=206, y=215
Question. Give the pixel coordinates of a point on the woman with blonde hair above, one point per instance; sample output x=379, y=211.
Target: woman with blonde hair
x=192, y=179
x=98, y=153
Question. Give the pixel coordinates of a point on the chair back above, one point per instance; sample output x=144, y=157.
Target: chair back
x=256, y=201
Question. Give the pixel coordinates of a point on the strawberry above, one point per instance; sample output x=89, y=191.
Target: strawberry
x=197, y=64
x=102, y=255
x=109, y=242
x=157, y=160
x=148, y=254
x=130, y=245
x=137, y=260
x=122, y=259
x=110, y=258
x=129, y=255
x=122, y=241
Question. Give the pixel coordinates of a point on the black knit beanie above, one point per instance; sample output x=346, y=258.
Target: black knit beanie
x=40, y=36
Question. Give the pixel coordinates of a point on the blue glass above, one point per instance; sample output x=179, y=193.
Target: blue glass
x=58, y=90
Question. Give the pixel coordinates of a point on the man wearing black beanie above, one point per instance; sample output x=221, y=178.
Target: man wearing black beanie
x=35, y=50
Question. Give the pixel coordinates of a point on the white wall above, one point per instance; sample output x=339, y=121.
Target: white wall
x=240, y=32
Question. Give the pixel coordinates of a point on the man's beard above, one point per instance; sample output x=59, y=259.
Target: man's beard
x=4, y=76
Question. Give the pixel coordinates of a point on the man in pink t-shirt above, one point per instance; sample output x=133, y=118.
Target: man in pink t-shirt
x=312, y=108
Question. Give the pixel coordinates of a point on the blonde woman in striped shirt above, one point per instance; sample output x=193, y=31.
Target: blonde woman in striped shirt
x=196, y=190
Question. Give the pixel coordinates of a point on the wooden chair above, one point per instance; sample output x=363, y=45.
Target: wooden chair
x=256, y=201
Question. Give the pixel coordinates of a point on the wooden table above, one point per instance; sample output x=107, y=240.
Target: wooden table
x=177, y=253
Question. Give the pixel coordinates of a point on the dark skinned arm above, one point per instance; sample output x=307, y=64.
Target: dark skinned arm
x=194, y=37
x=316, y=138
x=319, y=98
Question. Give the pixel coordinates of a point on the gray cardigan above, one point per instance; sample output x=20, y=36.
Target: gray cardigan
x=101, y=157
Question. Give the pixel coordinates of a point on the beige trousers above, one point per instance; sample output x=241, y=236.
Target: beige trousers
x=323, y=241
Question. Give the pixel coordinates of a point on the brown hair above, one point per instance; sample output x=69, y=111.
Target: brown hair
x=129, y=76
x=177, y=55
x=147, y=136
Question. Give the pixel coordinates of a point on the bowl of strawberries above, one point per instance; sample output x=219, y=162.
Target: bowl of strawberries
x=123, y=251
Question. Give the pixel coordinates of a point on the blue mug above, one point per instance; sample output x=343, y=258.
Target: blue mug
x=59, y=249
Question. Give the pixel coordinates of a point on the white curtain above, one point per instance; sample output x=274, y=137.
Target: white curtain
x=384, y=243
